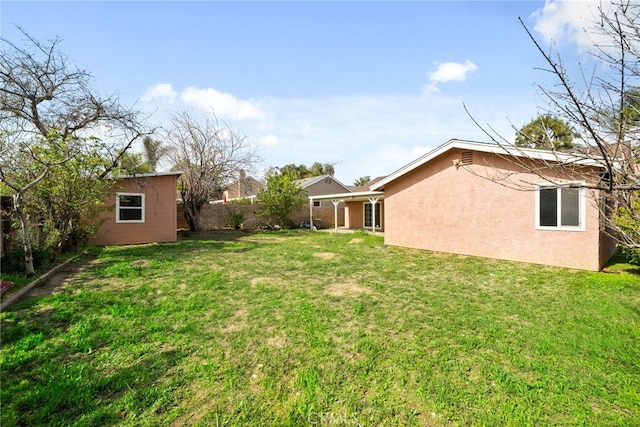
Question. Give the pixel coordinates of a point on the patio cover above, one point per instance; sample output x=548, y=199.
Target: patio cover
x=372, y=197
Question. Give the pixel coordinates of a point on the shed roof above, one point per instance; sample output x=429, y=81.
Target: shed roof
x=149, y=175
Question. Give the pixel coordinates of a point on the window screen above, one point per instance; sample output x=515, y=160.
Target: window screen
x=130, y=207
x=548, y=207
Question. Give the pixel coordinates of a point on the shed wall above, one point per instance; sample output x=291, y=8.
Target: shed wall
x=160, y=223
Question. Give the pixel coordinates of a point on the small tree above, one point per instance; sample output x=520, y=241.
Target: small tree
x=362, y=181
x=281, y=196
x=208, y=153
x=48, y=113
x=546, y=132
x=70, y=198
x=134, y=164
x=19, y=180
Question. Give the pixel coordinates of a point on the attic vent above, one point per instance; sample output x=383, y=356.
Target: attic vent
x=466, y=158
x=327, y=180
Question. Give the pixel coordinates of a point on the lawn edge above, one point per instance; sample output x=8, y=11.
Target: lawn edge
x=24, y=291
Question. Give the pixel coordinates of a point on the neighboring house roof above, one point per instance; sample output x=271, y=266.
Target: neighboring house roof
x=244, y=186
x=308, y=182
x=504, y=150
x=367, y=186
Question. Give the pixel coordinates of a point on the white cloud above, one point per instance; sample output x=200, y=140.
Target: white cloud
x=268, y=140
x=159, y=92
x=419, y=151
x=374, y=135
x=223, y=104
x=570, y=22
x=448, y=72
x=362, y=135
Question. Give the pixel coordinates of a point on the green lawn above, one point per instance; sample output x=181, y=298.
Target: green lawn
x=301, y=328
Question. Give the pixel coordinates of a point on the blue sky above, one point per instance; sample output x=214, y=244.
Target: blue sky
x=368, y=86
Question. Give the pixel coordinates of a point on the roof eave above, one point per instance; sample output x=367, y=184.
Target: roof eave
x=489, y=148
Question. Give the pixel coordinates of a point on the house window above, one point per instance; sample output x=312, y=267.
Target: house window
x=129, y=207
x=316, y=203
x=368, y=211
x=560, y=208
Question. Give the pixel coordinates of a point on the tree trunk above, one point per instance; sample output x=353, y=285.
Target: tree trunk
x=26, y=238
x=192, y=216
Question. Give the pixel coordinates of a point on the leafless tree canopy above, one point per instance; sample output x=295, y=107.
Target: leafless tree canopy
x=209, y=154
x=42, y=90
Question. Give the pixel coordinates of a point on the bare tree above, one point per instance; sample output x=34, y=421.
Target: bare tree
x=42, y=90
x=49, y=114
x=602, y=106
x=208, y=153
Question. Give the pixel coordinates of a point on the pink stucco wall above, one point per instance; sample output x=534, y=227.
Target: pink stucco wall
x=160, y=223
x=443, y=208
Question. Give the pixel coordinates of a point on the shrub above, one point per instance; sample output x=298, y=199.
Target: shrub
x=235, y=219
x=13, y=262
x=631, y=255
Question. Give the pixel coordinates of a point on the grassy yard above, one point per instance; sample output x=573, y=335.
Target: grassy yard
x=300, y=328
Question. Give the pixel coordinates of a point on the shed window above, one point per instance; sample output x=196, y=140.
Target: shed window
x=316, y=203
x=129, y=207
x=560, y=208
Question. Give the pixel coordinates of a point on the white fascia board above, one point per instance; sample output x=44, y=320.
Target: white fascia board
x=504, y=150
x=347, y=196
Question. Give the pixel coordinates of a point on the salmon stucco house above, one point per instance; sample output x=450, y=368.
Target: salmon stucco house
x=469, y=198
x=144, y=211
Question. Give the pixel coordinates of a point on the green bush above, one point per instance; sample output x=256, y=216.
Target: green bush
x=13, y=262
x=631, y=255
x=243, y=201
x=235, y=219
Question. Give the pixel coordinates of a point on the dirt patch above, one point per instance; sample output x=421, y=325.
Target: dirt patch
x=355, y=241
x=325, y=255
x=141, y=263
x=276, y=342
x=238, y=322
x=59, y=282
x=345, y=289
x=260, y=281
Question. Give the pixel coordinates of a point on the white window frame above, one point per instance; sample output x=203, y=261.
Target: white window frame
x=378, y=218
x=142, y=208
x=317, y=204
x=582, y=197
